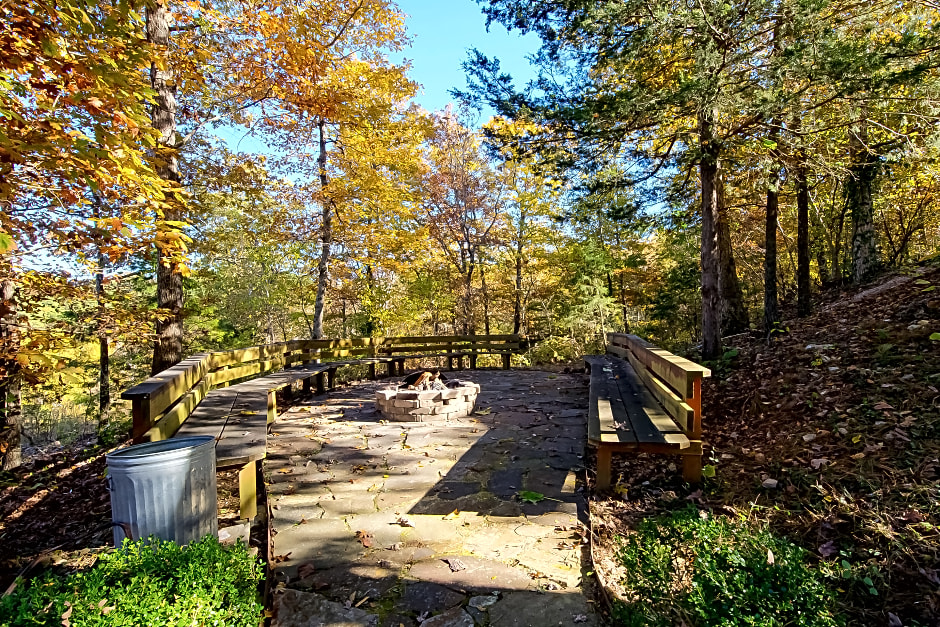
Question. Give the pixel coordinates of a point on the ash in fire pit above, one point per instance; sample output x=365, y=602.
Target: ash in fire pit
x=422, y=398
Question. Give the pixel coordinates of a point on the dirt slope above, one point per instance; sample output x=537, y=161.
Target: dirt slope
x=844, y=413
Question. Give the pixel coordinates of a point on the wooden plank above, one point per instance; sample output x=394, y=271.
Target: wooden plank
x=678, y=372
x=680, y=411
x=245, y=434
x=452, y=338
x=612, y=423
x=164, y=389
x=231, y=374
x=168, y=424
x=211, y=415
x=643, y=405
x=248, y=491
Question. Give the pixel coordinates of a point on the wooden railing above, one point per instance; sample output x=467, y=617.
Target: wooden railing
x=172, y=395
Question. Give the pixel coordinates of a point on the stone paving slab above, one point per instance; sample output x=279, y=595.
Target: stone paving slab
x=469, y=521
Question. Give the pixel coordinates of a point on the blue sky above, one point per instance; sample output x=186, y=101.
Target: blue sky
x=443, y=32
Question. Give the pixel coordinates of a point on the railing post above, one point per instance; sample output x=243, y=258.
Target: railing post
x=141, y=415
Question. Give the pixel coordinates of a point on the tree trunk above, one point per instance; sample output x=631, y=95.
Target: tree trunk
x=468, y=325
x=326, y=237
x=859, y=197
x=804, y=305
x=734, y=318
x=517, y=305
x=771, y=310
x=711, y=202
x=486, y=299
x=104, y=361
x=10, y=412
x=168, y=345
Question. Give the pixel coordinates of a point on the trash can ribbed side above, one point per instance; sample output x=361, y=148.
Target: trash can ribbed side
x=165, y=489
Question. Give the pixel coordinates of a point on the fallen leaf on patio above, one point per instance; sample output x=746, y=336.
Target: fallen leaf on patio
x=281, y=558
x=404, y=522
x=452, y=515
x=486, y=411
x=305, y=570
x=527, y=496
x=365, y=538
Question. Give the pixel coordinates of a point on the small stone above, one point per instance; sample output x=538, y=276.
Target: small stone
x=293, y=608
x=484, y=602
x=770, y=484
x=809, y=437
x=759, y=458
x=819, y=463
x=453, y=618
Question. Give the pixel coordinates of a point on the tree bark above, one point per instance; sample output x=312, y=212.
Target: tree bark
x=771, y=310
x=859, y=196
x=104, y=358
x=711, y=202
x=734, y=318
x=804, y=304
x=168, y=345
x=326, y=237
x=517, y=305
x=10, y=411
x=486, y=299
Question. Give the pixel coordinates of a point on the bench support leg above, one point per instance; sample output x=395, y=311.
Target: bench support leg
x=473, y=362
x=331, y=378
x=307, y=385
x=459, y=362
x=372, y=376
x=507, y=361
x=248, y=491
x=604, y=456
x=692, y=468
x=272, y=407
x=320, y=386
x=450, y=363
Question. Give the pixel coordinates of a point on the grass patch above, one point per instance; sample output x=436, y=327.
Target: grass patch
x=697, y=569
x=145, y=584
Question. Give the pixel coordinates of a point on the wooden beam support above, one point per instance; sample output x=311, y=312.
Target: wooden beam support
x=604, y=459
x=248, y=491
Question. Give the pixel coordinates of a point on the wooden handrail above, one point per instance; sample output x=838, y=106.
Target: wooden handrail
x=175, y=392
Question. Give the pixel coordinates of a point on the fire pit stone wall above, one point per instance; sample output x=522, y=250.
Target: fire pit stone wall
x=403, y=405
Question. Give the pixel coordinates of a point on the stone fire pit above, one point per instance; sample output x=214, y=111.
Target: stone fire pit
x=404, y=405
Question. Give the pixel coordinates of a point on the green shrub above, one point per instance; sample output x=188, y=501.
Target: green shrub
x=698, y=570
x=146, y=584
x=556, y=349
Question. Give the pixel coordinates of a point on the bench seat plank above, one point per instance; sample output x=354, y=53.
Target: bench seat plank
x=643, y=406
x=245, y=434
x=625, y=415
x=210, y=417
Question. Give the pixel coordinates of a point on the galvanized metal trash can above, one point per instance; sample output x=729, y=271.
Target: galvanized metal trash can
x=164, y=489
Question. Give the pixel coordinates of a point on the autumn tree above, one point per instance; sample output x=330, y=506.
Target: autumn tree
x=464, y=202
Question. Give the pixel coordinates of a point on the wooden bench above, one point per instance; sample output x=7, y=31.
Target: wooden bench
x=454, y=348
x=231, y=395
x=644, y=399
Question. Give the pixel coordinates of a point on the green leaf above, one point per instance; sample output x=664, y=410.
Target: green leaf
x=6, y=243
x=935, y=337
x=708, y=471
x=530, y=497
x=921, y=282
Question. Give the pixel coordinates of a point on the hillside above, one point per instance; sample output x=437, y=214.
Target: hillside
x=830, y=436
